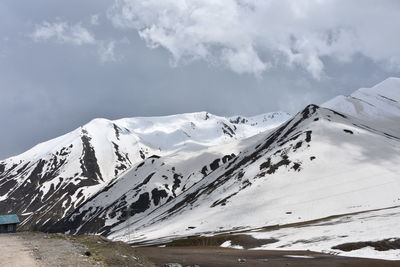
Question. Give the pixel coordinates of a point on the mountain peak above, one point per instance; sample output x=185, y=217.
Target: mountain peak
x=380, y=104
x=388, y=89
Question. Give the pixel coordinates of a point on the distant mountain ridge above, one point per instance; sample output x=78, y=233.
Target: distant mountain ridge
x=379, y=104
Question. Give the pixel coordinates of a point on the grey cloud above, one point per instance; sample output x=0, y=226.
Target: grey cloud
x=235, y=32
x=95, y=19
x=48, y=88
x=62, y=32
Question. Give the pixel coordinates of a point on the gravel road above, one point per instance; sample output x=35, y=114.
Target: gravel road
x=15, y=253
x=39, y=250
x=34, y=249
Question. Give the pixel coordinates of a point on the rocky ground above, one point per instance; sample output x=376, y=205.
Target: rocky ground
x=42, y=250
x=58, y=250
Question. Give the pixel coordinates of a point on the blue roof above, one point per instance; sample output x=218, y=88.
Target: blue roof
x=9, y=219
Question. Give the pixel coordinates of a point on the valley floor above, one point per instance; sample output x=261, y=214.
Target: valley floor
x=224, y=257
x=38, y=249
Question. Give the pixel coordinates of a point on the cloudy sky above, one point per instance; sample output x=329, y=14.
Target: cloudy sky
x=63, y=63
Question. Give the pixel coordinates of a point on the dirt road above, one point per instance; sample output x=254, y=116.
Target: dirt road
x=56, y=250
x=14, y=253
x=39, y=250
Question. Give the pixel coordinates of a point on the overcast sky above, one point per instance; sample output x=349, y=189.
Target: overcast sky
x=63, y=63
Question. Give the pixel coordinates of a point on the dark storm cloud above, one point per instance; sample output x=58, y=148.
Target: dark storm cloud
x=52, y=83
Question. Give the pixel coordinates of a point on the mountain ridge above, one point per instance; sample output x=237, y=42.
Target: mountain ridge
x=56, y=176
x=154, y=180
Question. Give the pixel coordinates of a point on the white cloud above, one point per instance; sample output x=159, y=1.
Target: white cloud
x=240, y=33
x=244, y=60
x=106, y=51
x=95, y=19
x=62, y=32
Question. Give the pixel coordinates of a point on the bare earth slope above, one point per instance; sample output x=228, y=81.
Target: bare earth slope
x=224, y=257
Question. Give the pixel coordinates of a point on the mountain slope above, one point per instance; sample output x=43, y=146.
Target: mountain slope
x=320, y=159
x=150, y=184
x=153, y=180
x=53, y=178
x=378, y=105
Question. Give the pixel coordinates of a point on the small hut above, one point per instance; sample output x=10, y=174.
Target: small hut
x=8, y=223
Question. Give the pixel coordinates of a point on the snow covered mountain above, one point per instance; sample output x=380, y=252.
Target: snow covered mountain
x=319, y=159
x=53, y=178
x=320, y=164
x=379, y=105
x=326, y=170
